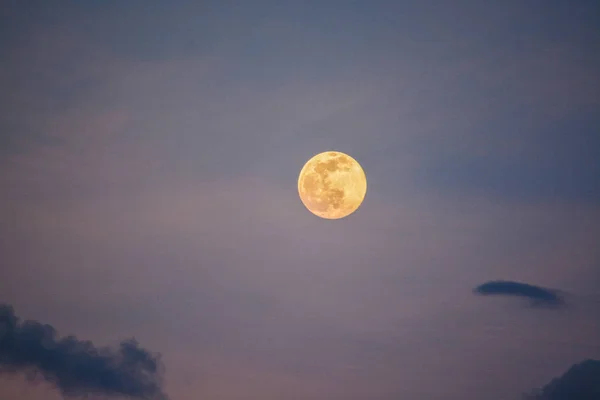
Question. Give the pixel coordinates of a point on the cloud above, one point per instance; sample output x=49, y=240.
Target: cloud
x=74, y=366
x=581, y=382
x=539, y=296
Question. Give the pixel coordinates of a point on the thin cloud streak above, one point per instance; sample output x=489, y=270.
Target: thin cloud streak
x=539, y=296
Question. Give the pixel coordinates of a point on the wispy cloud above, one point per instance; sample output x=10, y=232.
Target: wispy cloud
x=74, y=366
x=539, y=296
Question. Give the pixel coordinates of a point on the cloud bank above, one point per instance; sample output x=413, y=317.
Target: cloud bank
x=76, y=367
x=581, y=382
x=539, y=296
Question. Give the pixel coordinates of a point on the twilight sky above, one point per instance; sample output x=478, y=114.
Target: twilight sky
x=149, y=153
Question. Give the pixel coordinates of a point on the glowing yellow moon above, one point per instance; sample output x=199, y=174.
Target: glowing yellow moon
x=332, y=185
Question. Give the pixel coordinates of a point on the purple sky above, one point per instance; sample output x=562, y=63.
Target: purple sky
x=149, y=154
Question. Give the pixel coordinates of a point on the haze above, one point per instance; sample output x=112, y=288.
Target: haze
x=149, y=155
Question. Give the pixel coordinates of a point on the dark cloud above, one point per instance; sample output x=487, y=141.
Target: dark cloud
x=538, y=295
x=74, y=366
x=580, y=382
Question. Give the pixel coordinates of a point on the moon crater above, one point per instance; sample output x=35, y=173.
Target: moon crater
x=332, y=185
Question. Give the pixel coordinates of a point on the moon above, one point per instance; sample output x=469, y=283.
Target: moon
x=332, y=185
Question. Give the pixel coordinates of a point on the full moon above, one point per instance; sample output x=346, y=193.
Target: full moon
x=332, y=185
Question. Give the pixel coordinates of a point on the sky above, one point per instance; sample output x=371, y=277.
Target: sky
x=149, y=156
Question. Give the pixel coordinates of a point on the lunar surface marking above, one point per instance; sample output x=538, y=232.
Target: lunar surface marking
x=332, y=185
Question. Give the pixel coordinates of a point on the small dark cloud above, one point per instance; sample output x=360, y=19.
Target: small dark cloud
x=539, y=296
x=580, y=382
x=76, y=367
